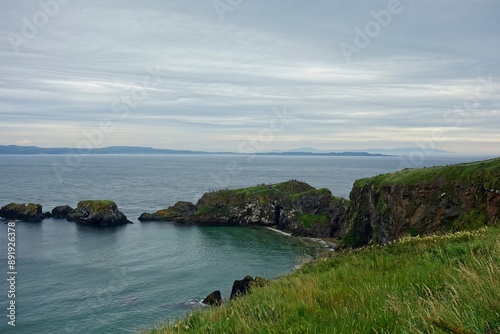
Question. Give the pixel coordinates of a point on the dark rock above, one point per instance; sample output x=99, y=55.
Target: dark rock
x=180, y=211
x=97, y=212
x=25, y=212
x=61, y=212
x=213, y=299
x=243, y=287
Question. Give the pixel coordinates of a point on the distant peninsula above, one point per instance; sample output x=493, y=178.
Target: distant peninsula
x=33, y=150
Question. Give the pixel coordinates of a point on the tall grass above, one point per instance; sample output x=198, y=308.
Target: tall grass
x=437, y=284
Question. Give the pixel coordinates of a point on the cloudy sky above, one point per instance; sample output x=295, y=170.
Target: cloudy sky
x=238, y=74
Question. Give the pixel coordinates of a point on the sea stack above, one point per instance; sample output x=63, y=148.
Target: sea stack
x=97, y=212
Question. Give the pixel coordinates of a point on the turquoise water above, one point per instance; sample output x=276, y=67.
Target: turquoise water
x=81, y=279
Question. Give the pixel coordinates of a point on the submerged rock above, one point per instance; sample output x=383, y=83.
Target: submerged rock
x=213, y=299
x=26, y=212
x=97, y=212
x=61, y=212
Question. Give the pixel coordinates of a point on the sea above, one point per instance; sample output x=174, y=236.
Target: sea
x=73, y=278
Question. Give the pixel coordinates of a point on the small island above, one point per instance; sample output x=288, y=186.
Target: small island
x=90, y=212
x=291, y=206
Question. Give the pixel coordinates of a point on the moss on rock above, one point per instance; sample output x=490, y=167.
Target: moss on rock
x=97, y=212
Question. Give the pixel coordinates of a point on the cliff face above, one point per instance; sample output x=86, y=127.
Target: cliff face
x=291, y=206
x=421, y=201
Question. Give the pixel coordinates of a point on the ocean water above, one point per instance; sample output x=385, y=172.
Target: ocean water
x=81, y=279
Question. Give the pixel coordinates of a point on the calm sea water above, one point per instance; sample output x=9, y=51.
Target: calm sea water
x=81, y=279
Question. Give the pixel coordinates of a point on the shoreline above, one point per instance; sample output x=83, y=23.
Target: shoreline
x=327, y=243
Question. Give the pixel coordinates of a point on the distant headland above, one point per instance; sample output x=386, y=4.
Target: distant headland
x=33, y=150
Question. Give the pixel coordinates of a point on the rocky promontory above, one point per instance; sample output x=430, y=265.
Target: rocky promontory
x=97, y=212
x=422, y=201
x=292, y=206
x=26, y=212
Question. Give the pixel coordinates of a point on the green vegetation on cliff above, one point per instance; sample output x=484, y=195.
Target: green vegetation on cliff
x=485, y=170
x=435, y=284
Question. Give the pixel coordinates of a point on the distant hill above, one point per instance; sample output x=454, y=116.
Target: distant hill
x=14, y=149
x=384, y=151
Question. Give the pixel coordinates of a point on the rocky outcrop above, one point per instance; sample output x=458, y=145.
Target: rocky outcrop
x=25, y=212
x=213, y=299
x=421, y=201
x=97, y=212
x=243, y=287
x=61, y=212
x=291, y=206
x=178, y=212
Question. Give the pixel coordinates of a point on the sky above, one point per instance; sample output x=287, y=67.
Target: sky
x=251, y=75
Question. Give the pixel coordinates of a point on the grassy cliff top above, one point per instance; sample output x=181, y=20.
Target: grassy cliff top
x=487, y=171
x=288, y=188
x=435, y=284
x=291, y=187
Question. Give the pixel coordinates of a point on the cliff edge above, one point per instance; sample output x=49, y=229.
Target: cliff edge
x=422, y=201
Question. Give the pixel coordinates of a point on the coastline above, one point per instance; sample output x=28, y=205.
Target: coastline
x=326, y=243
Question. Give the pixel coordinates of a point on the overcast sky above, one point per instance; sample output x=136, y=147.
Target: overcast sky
x=238, y=75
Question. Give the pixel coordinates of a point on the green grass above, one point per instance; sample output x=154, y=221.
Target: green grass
x=288, y=188
x=434, y=284
x=100, y=202
x=253, y=191
x=488, y=170
x=309, y=220
x=320, y=191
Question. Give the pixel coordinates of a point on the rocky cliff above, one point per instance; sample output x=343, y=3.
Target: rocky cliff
x=421, y=201
x=291, y=206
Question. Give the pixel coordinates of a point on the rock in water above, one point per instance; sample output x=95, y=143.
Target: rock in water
x=25, y=212
x=97, y=212
x=213, y=299
x=61, y=212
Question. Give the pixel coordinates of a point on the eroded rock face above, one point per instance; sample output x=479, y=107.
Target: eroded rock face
x=26, y=212
x=97, y=212
x=423, y=201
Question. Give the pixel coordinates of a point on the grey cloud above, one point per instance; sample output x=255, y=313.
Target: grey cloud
x=223, y=78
